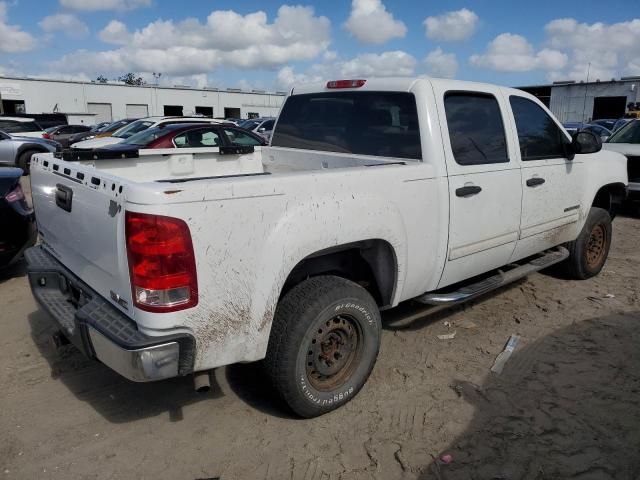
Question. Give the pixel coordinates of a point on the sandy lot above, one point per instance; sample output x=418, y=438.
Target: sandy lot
x=567, y=404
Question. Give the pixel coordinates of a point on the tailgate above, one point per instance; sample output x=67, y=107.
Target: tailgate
x=80, y=217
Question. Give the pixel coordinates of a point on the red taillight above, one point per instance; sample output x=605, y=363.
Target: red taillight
x=346, y=83
x=161, y=263
x=46, y=135
x=15, y=195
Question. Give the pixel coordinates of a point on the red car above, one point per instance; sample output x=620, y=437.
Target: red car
x=181, y=135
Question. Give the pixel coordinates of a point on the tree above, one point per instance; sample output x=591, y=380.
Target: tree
x=131, y=79
x=101, y=79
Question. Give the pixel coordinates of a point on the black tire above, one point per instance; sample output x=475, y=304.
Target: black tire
x=588, y=253
x=324, y=343
x=24, y=160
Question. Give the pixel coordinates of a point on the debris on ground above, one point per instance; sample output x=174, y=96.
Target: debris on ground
x=468, y=324
x=448, y=336
x=502, y=358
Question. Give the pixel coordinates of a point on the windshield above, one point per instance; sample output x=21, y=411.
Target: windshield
x=11, y=126
x=630, y=133
x=132, y=128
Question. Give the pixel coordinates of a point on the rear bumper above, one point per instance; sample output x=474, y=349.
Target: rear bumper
x=101, y=331
x=634, y=191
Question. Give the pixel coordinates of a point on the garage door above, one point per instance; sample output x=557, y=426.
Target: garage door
x=137, y=111
x=102, y=111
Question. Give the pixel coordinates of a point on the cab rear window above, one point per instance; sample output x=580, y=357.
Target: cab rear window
x=10, y=126
x=383, y=124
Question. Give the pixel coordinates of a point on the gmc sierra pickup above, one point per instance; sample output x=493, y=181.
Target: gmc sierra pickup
x=174, y=262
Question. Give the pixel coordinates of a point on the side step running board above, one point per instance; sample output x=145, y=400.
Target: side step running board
x=498, y=280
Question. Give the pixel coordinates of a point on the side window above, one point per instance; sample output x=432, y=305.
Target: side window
x=237, y=137
x=475, y=128
x=539, y=136
x=268, y=125
x=204, y=137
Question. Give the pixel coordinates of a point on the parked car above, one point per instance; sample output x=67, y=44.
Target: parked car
x=626, y=140
x=598, y=130
x=573, y=127
x=372, y=192
x=25, y=127
x=620, y=123
x=18, y=230
x=180, y=135
x=100, y=130
x=607, y=123
x=16, y=151
x=63, y=133
x=260, y=126
x=138, y=126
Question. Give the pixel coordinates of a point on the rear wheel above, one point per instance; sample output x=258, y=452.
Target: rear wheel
x=589, y=252
x=324, y=342
x=24, y=160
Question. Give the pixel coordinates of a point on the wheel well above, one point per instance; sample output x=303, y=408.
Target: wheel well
x=370, y=263
x=610, y=197
x=30, y=148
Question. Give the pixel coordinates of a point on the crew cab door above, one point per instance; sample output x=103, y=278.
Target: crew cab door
x=551, y=182
x=485, y=189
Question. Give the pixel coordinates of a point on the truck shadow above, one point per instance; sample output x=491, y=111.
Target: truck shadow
x=15, y=270
x=118, y=400
x=251, y=384
x=566, y=406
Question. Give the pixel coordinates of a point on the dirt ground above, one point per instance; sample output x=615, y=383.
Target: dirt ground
x=567, y=404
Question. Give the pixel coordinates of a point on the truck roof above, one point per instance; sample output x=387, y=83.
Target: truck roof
x=399, y=84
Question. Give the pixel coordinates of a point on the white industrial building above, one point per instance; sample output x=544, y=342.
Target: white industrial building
x=93, y=102
x=572, y=101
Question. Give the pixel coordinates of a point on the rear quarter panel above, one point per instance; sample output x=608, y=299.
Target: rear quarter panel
x=250, y=233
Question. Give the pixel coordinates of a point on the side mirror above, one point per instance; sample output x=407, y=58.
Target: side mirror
x=586, y=142
x=262, y=129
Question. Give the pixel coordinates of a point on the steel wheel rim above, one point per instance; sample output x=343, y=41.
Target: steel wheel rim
x=334, y=352
x=596, y=245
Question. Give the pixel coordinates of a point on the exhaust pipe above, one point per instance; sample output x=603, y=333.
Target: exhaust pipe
x=202, y=381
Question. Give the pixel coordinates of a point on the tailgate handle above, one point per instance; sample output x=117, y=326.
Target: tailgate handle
x=64, y=196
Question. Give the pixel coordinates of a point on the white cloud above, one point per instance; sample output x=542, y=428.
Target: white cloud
x=115, y=33
x=386, y=64
x=611, y=49
x=370, y=22
x=513, y=53
x=451, y=26
x=96, y=5
x=189, y=47
x=440, y=64
x=66, y=23
x=12, y=38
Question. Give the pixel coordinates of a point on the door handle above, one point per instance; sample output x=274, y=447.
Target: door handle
x=535, y=181
x=468, y=190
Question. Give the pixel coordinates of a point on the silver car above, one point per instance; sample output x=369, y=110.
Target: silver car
x=16, y=151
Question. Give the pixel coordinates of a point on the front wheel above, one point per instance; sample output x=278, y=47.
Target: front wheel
x=588, y=253
x=323, y=345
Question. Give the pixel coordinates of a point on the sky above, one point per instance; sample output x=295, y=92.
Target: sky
x=271, y=45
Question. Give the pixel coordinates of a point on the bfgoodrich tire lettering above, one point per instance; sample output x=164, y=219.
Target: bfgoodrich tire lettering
x=324, y=342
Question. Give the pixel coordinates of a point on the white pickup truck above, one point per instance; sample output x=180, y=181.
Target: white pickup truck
x=372, y=192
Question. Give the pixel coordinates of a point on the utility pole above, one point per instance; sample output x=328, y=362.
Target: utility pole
x=586, y=87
